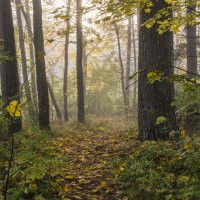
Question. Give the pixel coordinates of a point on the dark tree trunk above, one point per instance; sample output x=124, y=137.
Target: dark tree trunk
x=128, y=64
x=79, y=63
x=9, y=70
x=66, y=115
x=121, y=67
x=42, y=88
x=155, y=53
x=59, y=115
x=23, y=57
x=191, y=45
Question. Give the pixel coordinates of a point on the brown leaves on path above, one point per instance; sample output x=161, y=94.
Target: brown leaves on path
x=89, y=173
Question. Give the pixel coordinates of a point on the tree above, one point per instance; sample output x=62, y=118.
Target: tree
x=191, y=44
x=121, y=67
x=59, y=115
x=192, y=121
x=66, y=117
x=42, y=88
x=128, y=64
x=23, y=57
x=79, y=63
x=135, y=63
x=9, y=69
x=26, y=14
x=154, y=101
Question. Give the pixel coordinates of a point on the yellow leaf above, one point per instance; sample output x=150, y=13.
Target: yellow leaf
x=14, y=109
x=103, y=184
x=94, y=191
x=187, y=146
x=66, y=188
x=69, y=177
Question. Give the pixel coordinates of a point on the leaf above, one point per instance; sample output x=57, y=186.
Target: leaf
x=50, y=40
x=103, y=184
x=155, y=76
x=14, y=109
x=161, y=120
x=69, y=177
x=66, y=188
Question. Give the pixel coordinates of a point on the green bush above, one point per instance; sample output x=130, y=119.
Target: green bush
x=35, y=168
x=162, y=170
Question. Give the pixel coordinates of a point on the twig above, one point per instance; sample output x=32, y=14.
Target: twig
x=131, y=84
x=184, y=70
x=9, y=168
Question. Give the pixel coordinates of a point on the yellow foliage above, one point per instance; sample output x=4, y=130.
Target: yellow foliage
x=187, y=146
x=155, y=76
x=14, y=109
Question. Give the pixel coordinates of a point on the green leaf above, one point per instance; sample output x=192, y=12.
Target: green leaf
x=161, y=120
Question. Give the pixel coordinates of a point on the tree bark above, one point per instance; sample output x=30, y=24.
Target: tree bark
x=66, y=115
x=79, y=63
x=155, y=53
x=9, y=70
x=192, y=122
x=59, y=115
x=191, y=46
x=42, y=88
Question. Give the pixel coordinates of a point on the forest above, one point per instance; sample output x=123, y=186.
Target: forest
x=99, y=100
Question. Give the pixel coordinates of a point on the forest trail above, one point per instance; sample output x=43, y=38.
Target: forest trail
x=90, y=166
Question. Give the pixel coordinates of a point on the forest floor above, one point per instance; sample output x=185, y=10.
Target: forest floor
x=90, y=169
x=73, y=162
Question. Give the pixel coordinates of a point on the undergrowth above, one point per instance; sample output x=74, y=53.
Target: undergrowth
x=35, y=167
x=161, y=170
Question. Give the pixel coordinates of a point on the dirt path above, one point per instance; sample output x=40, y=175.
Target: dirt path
x=90, y=170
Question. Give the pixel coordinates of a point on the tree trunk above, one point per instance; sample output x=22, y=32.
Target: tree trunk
x=191, y=46
x=27, y=18
x=42, y=88
x=9, y=70
x=155, y=53
x=66, y=115
x=79, y=63
x=59, y=115
x=192, y=122
x=85, y=58
x=23, y=58
x=135, y=68
x=121, y=67
x=128, y=64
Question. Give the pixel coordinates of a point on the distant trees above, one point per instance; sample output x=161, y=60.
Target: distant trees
x=42, y=88
x=121, y=64
x=66, y=116
x=128, y=62
x=9, y=69
x=23, y=58
x=26, y=13
x=155, y=53
x=79, y=63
